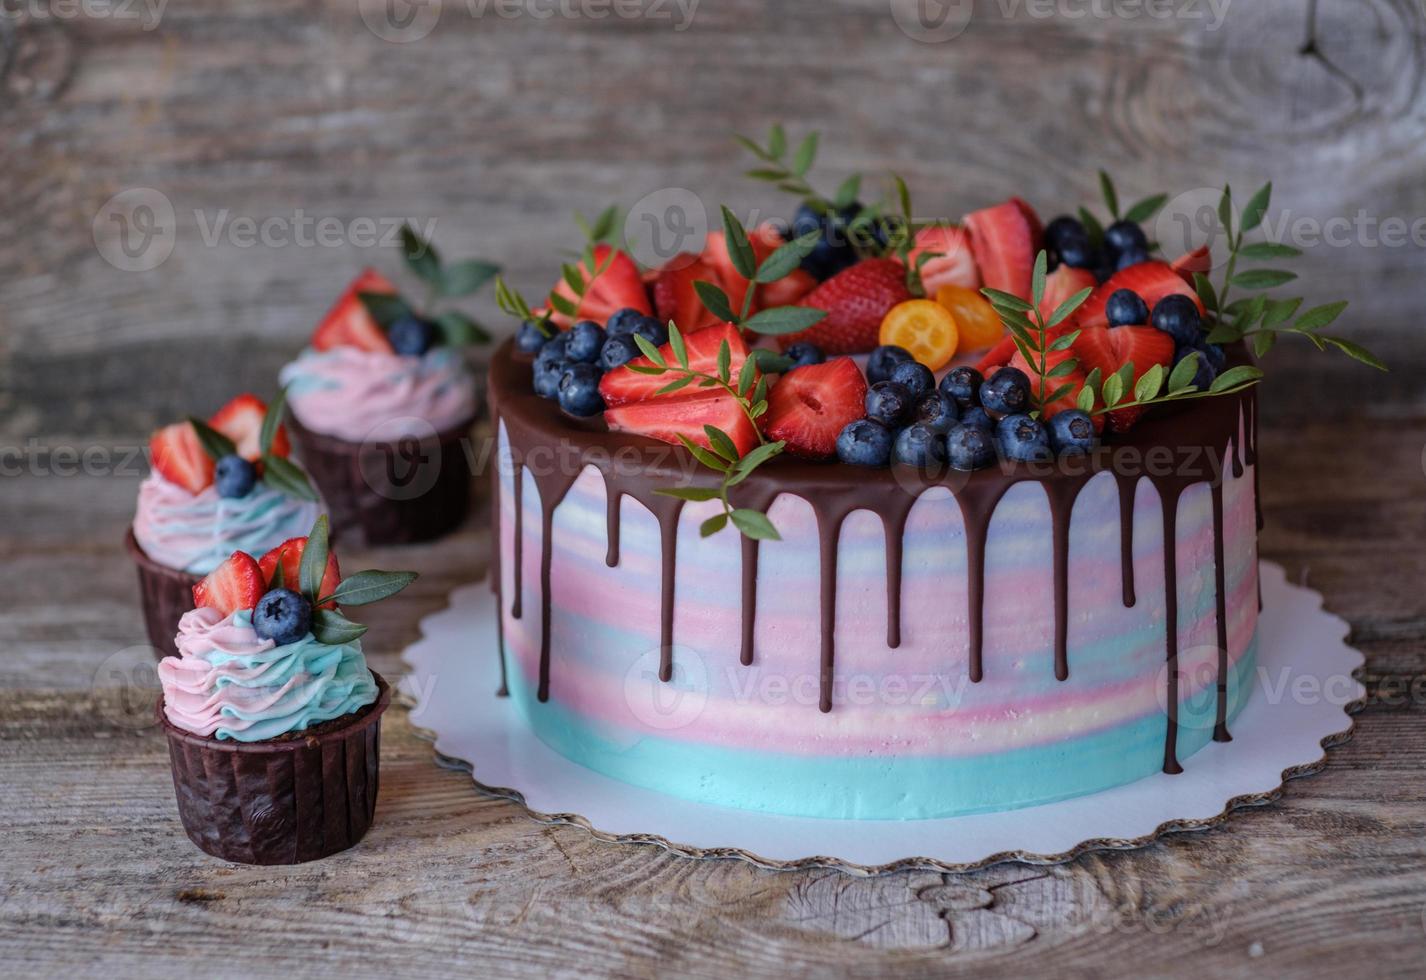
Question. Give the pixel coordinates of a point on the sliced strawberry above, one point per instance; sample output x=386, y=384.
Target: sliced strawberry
x=1151, y=280
x=675, y=297
x=856, y=300
x=348, y=324
x=810, y=407
x=666, y=419
x=1199, y=260
x=241, y=421
x=1094, y=350
x=1037, y=228
x=1003, y=243
x=235, y=584
x=624, y=385
x=1002, y=352
x=764, y=240
x=1109, y=350
x=289, y=553
x=1060, y=285
x=620, y=285
x=787, y=291
x=1075, y=379
x=953, y=266
x=179, y=458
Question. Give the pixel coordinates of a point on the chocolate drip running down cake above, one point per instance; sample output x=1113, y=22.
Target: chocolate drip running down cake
x=913, y=647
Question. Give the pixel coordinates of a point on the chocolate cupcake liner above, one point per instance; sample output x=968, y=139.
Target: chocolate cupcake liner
x=296, y=798
x=414, y=489
x=165, y=593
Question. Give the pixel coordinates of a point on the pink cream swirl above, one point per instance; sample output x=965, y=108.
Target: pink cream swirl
x=358, y=395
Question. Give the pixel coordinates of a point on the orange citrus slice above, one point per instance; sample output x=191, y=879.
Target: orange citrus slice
x=924, y=328
x=976, y=319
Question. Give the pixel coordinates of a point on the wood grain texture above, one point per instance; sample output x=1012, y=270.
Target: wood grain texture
x=98, y=876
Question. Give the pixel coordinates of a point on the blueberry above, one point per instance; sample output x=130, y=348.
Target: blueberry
x=530, y=338
x=1077, y=252
x=1072, y=433
x=623, y=321
x=234, y=476
x=548, y=372
x=884, y=360
x=1206, y=373
x=411, y=335
x=970, y=447
x=976, y=418
x=652, y=329
x=1126, y=308
x=802, y=354
x=579, y=390
x=833, y=251
x=935, y=410
x=555, y=349
x=1063, y=229
x=282, y=616
x=888, y=403
x=865, y=442
x=1007, y=391
x=915, y=378
x=1022, y=439
x=617, y=351
x=1177, y=316
x=920, y=445
x=962, y=385
x=585, y=339
x=1123, y=237
x=1132, y=257
x=1215, y=356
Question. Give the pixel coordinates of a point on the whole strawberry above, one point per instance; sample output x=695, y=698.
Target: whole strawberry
x=856, y=301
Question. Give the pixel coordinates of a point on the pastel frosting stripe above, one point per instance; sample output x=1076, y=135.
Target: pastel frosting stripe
x=228, y=683
x=354, y=394
x=197, y=532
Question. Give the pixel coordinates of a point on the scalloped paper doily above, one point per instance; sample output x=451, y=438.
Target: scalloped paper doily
x=1304, y=691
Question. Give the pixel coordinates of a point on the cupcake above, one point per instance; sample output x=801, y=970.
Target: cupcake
x=383, y=400
x=215, y=487
x=272, y=716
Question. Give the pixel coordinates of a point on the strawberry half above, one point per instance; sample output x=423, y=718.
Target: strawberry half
x=1000, y=355
x=179, y=458
x=810, y=406
x=241, y=421
x=787, y=291
x=620, y=285
x=1151, y=280
x=675, y=298
x=623, y=385
x=1109, y=350
x=666, y=419
x=856, y=300
x=348, y=324
x=1075, y=379
x=1003, y=240
x=1199, y=260
x=289, y=553
x=955, y=263
x=235, y=584
x=1060, y=285
x=764, y=240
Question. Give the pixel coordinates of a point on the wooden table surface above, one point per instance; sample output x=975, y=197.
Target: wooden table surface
x=98, y=876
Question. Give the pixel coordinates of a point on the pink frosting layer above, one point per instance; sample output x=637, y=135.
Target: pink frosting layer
x=195, y=691
x=355, y=394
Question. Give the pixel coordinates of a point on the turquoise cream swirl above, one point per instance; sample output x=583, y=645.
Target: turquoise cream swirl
x=228, y=683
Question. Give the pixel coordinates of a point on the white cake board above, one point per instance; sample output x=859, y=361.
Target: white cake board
x=1305, y=689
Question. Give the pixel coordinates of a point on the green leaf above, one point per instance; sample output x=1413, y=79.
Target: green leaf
x=1258, y=251
x=649, y=350
x=420, y=255
x=214, y=443
x=725, y=362
x=464, y=278
x=1233, y=377
x=271, y=421
x=847, y=192
x=1225, y=333
x=334, y=629
x=1355, y=351
x=1113, y=390
x=1183, y=373
x=1058, y=393
x=696, y=494
x=1000, y=298
x=708, y=459
x=806, y=153
x=1204, y=287
x=459, y=330
x=284, y=476
x=740, y=252
x=1085, y=401
x=1225, y=211
x=759, y=455
x=1065, y=309
x=1263, y=342
x=760, y=391
x=720, y=443
x=1263, y=278
x=715, y=301
x=1067, y=366
x=767, y=173
x=754, y=524
x=776, y=140
x=1149, y=385
x=1256, y=207
x=677, y=384
x=314, y=559
x=1111, y=198
x=385, y=308
x=903, y=195
x=367, y=587
x=677, y=346
x=573, y=278
x=1279, y=311
x=784, y=320
x=1092, y=225
x=1319, y=316
x=564, y=304
x=1037, y=278
x=1065, y=342
x=750, y=145
x=787, y=257
x=604, y=224
x=1144, y=210
x=713, y=525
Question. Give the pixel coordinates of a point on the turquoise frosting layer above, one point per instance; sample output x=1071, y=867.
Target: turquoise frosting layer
x=198, y=533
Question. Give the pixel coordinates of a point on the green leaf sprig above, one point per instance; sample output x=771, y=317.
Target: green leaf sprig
x=442, y=281
x=1031, y=333
x=749, y=389
x=784, y=259
x=330, y=626
x=278, y=472
x=513, y=304
x=1138, y=212
x=1259, y=319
